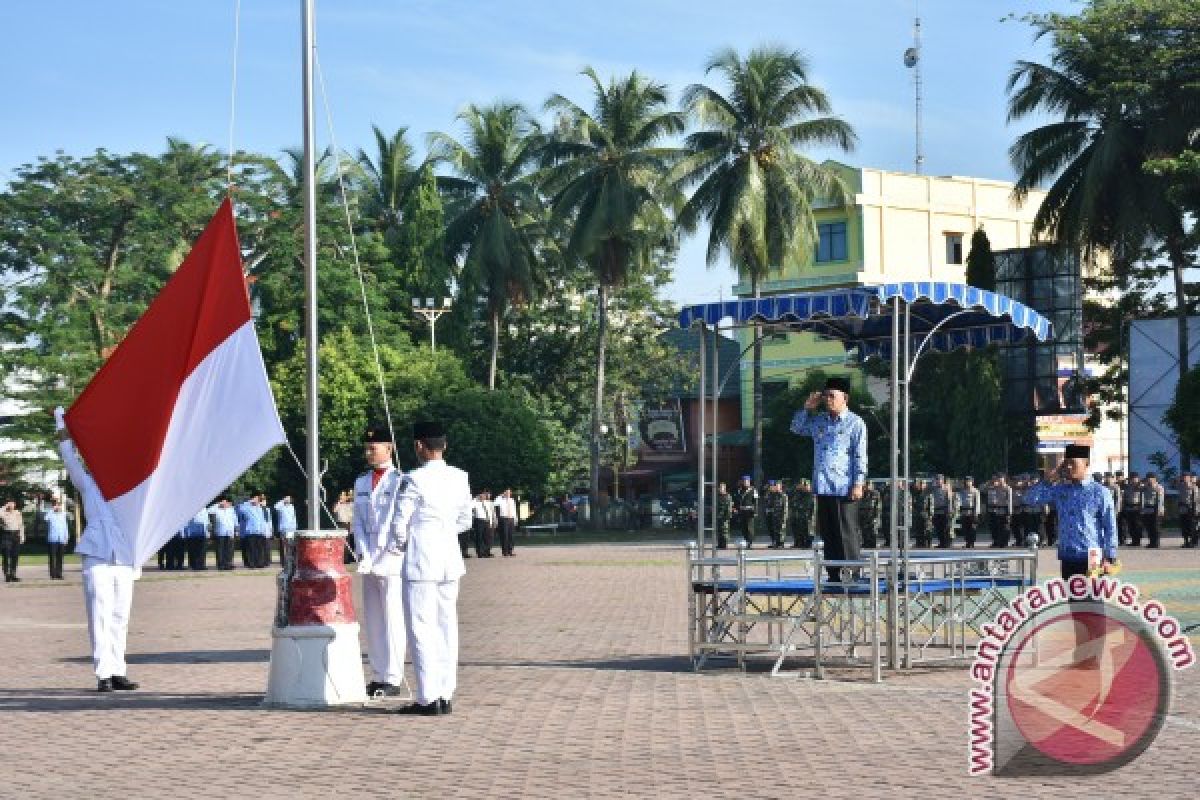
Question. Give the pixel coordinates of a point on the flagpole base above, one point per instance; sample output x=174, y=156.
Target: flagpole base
x=315, y=667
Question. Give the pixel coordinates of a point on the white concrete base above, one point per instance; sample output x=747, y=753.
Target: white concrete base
x=315, y=666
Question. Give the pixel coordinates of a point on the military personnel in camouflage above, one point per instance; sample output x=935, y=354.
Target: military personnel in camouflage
x=922, y=514
x=724, y=515
x=869, y=509
x=745, y=503
x=776, y=513
x=802, y=507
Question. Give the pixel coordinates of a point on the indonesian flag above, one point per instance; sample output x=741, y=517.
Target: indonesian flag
x=182, y=407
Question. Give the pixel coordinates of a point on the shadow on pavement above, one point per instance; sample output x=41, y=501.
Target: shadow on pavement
x=629, y=664
x=55, y=700
x=187, y=657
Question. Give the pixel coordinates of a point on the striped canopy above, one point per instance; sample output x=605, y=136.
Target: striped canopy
x=861, y=316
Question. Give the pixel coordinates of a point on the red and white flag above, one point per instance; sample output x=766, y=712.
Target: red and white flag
x=183, y=406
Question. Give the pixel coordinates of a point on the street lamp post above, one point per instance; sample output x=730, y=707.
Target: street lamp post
x=431, y=311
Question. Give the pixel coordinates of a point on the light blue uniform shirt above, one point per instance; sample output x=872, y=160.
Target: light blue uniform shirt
x=285, y=517
x=197, y=527
x=56, y=527
x=1086, y=517
x=225, y=521
x=252, y=520
x=839, y=450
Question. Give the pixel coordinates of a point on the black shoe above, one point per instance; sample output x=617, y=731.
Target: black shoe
x=382, y=689
x=122, y=684
x=487, y=555
x=428, y=710
x=15, y=579
x=445, y=706
x=104, y=685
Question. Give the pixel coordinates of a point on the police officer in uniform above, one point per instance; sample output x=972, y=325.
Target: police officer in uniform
x=434, y=505
x=1131, y=510
x=746, y=501
x=802, y=508
x=868, y=516
x=1000, y=510
x=375, y=496
x=777, y=514
x=968, y=510
x=1189, y=504
x=945, y=508
x=724, y=515
x=1153, y=508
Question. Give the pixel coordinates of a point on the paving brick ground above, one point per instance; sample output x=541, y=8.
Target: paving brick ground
x=574, y=683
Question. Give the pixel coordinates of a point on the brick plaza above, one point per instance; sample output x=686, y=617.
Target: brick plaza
x=574, y=682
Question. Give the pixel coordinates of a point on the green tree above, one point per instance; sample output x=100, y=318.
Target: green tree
x=390, y=176
x=496, y=216
x=981, y=263
x=419, y=244
x=957, y=414
x=606, y=180
x=1122, y=85
x=752, y=184
x=1184, y=414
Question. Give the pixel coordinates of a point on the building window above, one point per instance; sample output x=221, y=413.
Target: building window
x=954, y=253
x=831, y=242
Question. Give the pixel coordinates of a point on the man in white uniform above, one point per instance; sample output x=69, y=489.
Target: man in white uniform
x=382, y=571
x=108, y=572
x=434, y=505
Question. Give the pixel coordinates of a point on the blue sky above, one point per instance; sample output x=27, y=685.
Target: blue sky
x=125, y=75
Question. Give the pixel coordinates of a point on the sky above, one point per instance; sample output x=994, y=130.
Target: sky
x=126, y=75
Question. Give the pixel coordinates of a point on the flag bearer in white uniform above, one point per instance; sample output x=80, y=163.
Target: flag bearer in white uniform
x=375, y=494
x=108, y=572
x=434, y=505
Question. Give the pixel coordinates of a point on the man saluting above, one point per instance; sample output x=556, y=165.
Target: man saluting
x=434, y=505
x=839, y=468
x=1086, y=518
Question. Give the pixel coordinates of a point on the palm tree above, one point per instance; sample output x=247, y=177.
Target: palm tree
x=1094, y=156
x=390, y=176
x=605, y=174
x=494, y=214
x=753, y=186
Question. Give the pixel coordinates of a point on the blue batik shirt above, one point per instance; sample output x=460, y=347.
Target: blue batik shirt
x=56, y=527
x=285, y=517
x=252, y=519
x=839, y=450
x=1086, y=517
x=197, y=528
x=225, y=520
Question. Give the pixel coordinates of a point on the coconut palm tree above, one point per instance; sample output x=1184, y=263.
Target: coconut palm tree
x=1094, y=156
x=494, y=214
x=390, y=176
x=605, y=175
x=753, y=186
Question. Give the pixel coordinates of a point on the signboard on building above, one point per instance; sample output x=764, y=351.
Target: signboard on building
x=661, y=430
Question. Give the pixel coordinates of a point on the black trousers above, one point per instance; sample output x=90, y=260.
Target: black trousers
x=775, y=528
x=941, y=526
x=1150, y=524
x=837, y=523
x=197, y=552
x=483, y=537
x=968, y=530
x=1051, y=525
x=464, y=543
x=507, y=526
x=801, y=535
x=224, y=548
x=746, y=526
x=920, y=530
x=54, y=551
x=1133, y=527
x=249, y=551
x=998, y=525
x=10, y=552
x=1072, y=568
x=176, y=549
x=1187, y=526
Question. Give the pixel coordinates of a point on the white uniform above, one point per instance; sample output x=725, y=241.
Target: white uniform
x=108, y=571
x=434, y=505
x=382, y=575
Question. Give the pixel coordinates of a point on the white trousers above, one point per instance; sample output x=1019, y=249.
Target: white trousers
x=108, y=594
x=431, y=608
x=383, y=621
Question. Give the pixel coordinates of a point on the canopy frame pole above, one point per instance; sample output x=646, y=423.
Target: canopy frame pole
x=701, y=419
x=716, y=428
x=894, y=494
x=907, y=403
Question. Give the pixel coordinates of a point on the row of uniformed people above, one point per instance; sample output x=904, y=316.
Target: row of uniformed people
x=250, y=523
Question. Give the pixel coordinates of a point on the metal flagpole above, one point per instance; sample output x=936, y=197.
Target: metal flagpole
x=312, y=422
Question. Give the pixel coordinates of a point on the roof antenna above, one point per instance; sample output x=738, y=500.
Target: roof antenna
x=912, y=60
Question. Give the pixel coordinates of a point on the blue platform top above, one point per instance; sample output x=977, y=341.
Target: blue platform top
x=959, y=315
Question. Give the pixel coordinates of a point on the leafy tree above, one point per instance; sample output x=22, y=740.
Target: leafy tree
x=606, y=184
x=1184, y=414
x=390, y=176
x=981, y=264
x=1123, y=85
x=496, y=215
x=419, y=247
x=753, y=186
